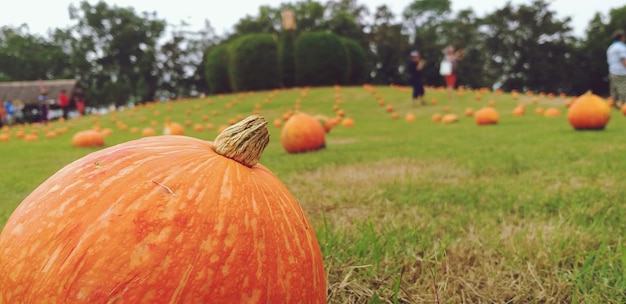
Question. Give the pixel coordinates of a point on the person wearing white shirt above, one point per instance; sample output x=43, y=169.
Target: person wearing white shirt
x=616, y=59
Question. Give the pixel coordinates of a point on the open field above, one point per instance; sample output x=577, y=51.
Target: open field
x=525, y=211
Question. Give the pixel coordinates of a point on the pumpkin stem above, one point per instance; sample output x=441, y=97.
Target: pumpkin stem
x=244, y=141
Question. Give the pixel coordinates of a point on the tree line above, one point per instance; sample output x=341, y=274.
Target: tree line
x=120, y=55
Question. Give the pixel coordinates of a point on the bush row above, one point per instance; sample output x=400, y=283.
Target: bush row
x=265, y=61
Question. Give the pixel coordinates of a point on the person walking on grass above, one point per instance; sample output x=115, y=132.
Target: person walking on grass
x=415, y=75
x=616, y=59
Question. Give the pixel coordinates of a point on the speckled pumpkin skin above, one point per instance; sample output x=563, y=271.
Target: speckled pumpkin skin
x=161, y=219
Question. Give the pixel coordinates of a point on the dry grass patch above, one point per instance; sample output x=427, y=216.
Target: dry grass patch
x=407, y=231
x=349, y=194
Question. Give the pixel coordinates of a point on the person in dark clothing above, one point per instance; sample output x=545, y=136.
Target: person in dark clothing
x=44, y=107
x=415, y=72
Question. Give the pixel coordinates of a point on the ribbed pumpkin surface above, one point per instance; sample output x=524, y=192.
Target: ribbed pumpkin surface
x=160, y=220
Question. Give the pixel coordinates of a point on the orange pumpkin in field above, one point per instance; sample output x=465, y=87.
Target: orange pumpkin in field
x=88, y=138
x=347, y=122
x=486, y=116
x=552, y=112
x=148, y=132
x=302, y=133
x=589, y=112
x=449, y=118
x=160, y=219
x=173, y=128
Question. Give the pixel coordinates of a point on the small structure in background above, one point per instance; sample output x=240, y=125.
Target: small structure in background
x=26, y=94
x=289, y=20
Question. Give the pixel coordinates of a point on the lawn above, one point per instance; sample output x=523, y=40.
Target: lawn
x=525, y=211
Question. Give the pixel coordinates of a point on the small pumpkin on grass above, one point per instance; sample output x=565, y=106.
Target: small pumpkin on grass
x=302, y=133
x=486, y=116
x=589, y=112
x=552, y=112
x=164, y=218
x=148, y=132
x=88, y=138
x=449, y=118
x=173, y=128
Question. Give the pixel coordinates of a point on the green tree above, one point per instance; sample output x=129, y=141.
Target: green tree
x=182, y=61
x=123, y=49
x=267, y=21
x=527, y=48
x=389, y=48
x=24, y=56
x=346, y=19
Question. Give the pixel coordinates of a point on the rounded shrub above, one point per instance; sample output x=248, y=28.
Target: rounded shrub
x=321, y=59
x=254, y=63
x=287, y=60
x=216, y=70
x=357, y=73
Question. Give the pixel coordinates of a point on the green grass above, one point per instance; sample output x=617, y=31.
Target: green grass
x=525, y=211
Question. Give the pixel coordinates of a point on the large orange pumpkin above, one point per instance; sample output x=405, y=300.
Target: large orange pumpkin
x=302, y=133
x=589, y=112
x=486, y=116
x=164, y=219
x=88, y=138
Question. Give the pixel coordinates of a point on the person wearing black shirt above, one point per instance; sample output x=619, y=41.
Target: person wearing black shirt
x=415, y=72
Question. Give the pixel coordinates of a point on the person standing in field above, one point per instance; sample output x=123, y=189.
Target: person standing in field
x=80, y=104
x=616, y=59
x=9, y=111
x=3, y=115
x=44, y=107
x=415, y=77
x=449, y=67
x=64, y=103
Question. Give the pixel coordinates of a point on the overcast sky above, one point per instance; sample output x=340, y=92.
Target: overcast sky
x=40, y=15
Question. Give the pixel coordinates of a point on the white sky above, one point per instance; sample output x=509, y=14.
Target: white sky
x=41, y=15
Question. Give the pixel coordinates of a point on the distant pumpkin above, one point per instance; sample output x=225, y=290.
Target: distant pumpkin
x=302, y=133
x=173, y=128
x=486, y=116
x=346, y=122
x=88, y=138
x=518, y=111
x=148, y=132
x=552, y=112
x=449, y=118
x=589, y=112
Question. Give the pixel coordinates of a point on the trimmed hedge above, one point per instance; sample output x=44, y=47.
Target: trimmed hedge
x=216, y=70
x=321, y=59
x=287, y=59
x=357, y=74
x=254, y=63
